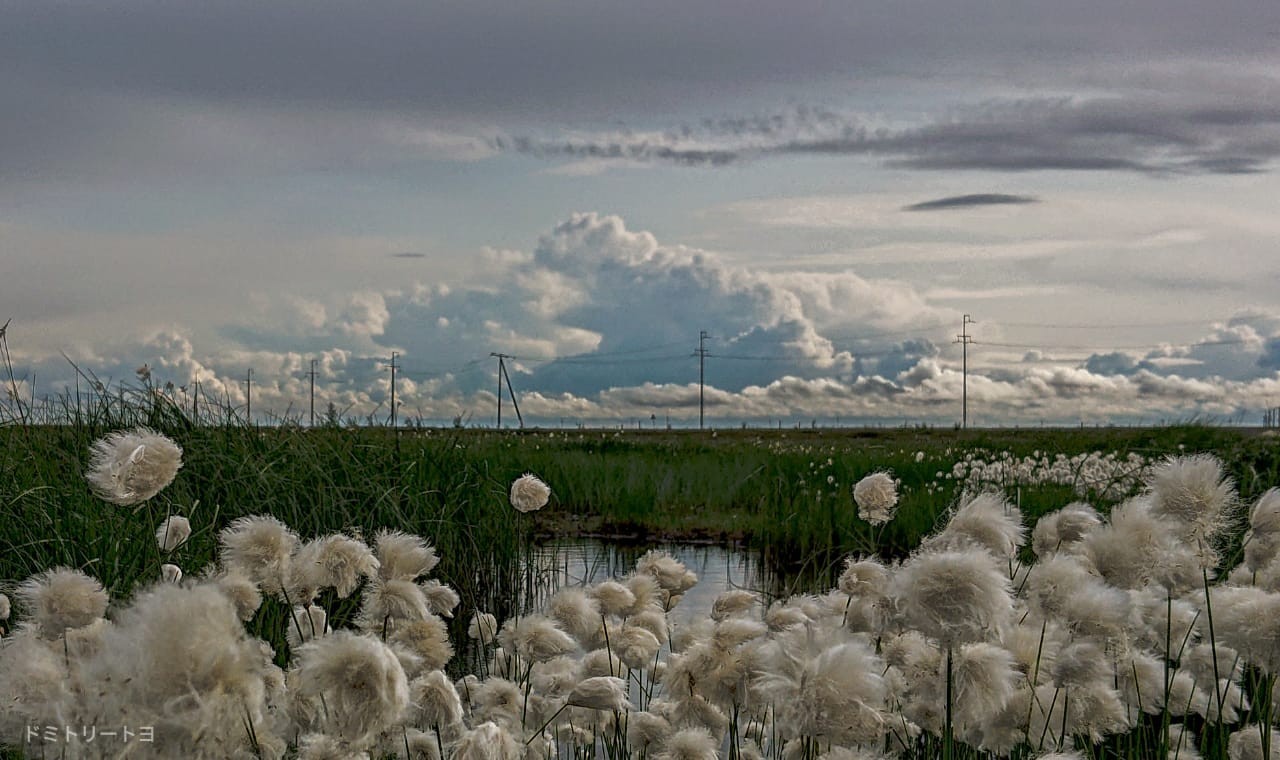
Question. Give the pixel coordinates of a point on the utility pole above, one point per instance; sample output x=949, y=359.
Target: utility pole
x=701, y=353
x=393, y=390
x=312, y=375
x=502, y=373
x=248, y=396
x=195, y=400
x=964, y=339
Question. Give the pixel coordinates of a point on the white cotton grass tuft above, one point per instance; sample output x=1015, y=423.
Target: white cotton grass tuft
x=529, y=493
x=341, y=563
x=428, y=639
x=1247, y=744
x=1263, y=539
x=170, y=573
x=835, y=692
x=1194, y=494
x=577, y=612
x=61, y=599
x=130, y=466
x=242, y=592
x=487, y=741
x=536, y=638
x=403, y=557
x=614, y=598
x=179, y=656
x=172, y=533
x=321, y=747
x=670, y=573
x=953, y=596
x=359, y=682
x=1062, y=530
x=646, y=730
x=1244, y=619
x=4, y=607
x=689, y=744
x=732, y=603
x=877, y=497
x=435, y=701
x=483, y=628
x=306, y=624
x=985, y=676
x=864, y=578
x=600, y=693
x=259, y=548
x=441, y=599
x=986, y=520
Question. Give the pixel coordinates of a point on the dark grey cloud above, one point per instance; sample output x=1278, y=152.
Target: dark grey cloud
x=133, y=87
x=1183, y=133
x=971, y=200
x=408, y=255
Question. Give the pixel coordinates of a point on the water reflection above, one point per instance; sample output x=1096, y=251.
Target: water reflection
x=575, y=562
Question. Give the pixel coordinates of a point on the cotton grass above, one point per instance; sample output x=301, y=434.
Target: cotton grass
x=130, y=467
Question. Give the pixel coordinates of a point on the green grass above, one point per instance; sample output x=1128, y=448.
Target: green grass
x=765, y=489
x=759, y=488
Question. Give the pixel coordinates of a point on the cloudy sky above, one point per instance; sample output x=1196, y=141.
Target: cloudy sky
x=824, y=188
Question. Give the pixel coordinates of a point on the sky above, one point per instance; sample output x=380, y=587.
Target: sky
x=825, y=189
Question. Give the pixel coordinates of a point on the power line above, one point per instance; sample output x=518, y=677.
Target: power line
x=1148, y=347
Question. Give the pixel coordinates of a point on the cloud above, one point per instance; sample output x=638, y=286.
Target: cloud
x=1182, y=133
x=970, y=201
x=603, y=321
x=408, y=255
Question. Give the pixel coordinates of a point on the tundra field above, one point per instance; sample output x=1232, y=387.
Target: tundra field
x=929, y=613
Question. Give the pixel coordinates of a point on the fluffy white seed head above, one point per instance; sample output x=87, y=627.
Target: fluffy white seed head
x=671, y=574
x=986, y=520
x=864, y=578
x=600, y=693
x=4, y=607
x=172, y=533
x=441, y=599
x=61, y=599
x=402, y=556
x=428, y=639
x=1247, y=744
x=689, y=744
x=877, y=498
x=646, y=730
x=129, y=467
x=1064, y=529
x=953, y=596
x=733, y=602
x=1193, y=493
x=242, y=592
x=529, y=493
x=305, y=624
x=358, y=680
x=613, y=597
x=487, y=741
x=483, y=628
x=170, y=573
x=435, y=700
x=259, y=547
x=535, y=637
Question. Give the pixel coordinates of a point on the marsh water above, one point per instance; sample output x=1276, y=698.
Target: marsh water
x=578, y=561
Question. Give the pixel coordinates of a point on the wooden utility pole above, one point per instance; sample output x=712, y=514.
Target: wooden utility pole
x=312, y=375
x=502, y=373
x=248, y=396
x=701, y=353
x=393, y=390
x=964, y=339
